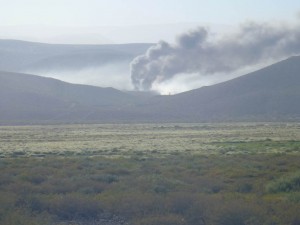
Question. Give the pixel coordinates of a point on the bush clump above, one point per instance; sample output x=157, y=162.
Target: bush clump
x=74, y=207
x=285, y=184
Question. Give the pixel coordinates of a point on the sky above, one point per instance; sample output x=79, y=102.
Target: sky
x=253, y=29
x=137, y=12
x=66, y=18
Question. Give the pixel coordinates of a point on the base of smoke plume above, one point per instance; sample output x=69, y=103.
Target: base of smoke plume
x=185, y=82
x=113, y=75
x=117, y=76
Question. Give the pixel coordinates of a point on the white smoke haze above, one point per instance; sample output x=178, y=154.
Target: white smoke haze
x=186, y=82
x=199, y=58
x=111, y=75
x=182, y=82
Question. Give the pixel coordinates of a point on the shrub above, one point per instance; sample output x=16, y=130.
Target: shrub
x=179, y=202
x=106, y=178
x=237, y=212
x=294, y=197
x=22, y=217
x=31, y=202
x=73, y=207
x=241, y=216
x=244, y=188
x=285, y=184
x=161, y=219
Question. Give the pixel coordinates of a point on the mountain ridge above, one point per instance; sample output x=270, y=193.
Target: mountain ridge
x=269, y=94
x=23, y=56
x=282, y=77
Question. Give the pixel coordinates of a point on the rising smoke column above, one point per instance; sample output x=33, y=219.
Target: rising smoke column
x=198, y=52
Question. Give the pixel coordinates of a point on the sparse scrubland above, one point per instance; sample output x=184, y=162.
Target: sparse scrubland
x=151, y=174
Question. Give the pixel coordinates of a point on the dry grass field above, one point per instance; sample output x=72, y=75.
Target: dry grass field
x=150, y=174
x=153, y=139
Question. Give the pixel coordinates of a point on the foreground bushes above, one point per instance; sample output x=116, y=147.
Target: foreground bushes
x=177, y=190
x=287, y=183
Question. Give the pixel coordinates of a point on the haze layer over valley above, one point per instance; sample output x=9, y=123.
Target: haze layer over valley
x=198, y=57
x=270, y=94
x=101, y=65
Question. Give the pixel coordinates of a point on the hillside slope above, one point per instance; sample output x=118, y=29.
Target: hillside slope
x=272, y=93
x=269, y=94
x=25, y=97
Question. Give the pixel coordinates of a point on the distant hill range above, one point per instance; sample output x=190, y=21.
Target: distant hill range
x=269, y=94
x=22, y=56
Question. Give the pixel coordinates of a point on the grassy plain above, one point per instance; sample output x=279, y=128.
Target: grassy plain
x=150, y=174
x=148, y=139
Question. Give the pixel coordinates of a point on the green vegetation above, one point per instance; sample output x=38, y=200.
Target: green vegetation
x=187, y=174
x=288, y=183
x=148, y=139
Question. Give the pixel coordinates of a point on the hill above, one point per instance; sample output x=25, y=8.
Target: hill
x=28, y=98
x=22, y=56
x=269, y=94
x=272, y=93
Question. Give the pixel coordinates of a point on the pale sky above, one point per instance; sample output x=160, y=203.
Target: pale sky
x=26, y=18
x=137, y=12
x=137, y=21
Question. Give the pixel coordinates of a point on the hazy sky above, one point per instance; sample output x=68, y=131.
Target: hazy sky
x=136, y=12
x=28, y=16
x=132, y=21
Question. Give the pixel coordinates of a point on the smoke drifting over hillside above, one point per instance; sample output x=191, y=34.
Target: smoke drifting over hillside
x=204, y=54
x=109, y=75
